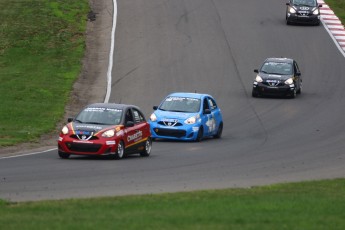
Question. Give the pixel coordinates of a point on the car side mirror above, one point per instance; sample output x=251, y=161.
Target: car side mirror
x=288, y=4
x=298, y=74
x=207, y=111
x=70, y=119
x=155, y=107
x=129, y=124
x=256, y=71
x=320, y=5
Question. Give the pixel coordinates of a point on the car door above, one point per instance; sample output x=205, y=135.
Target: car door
x=215, y=114
x=297, y=76
x=137, y=131
x=208, y=118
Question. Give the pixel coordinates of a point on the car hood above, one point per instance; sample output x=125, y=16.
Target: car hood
x=166, y=115
x=94, y=128
x=265, y=76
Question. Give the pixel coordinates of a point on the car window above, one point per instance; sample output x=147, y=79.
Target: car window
x=106, y=116
x=212, y=103
x=129, y=116
x=281, y=68
x=138, y=117
x=181, y=104
x=304, y=2
x=206, y=106
x=296, y=68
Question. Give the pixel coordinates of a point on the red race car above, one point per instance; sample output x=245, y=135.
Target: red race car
x=106, y=129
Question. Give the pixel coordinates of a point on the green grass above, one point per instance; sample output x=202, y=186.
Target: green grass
x=338, y=6
x=307, y=205
x=41, y=47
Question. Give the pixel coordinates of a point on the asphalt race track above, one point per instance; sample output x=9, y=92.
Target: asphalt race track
x=209, y=46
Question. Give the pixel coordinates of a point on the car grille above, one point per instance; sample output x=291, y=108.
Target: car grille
x=170, y=132
x=304, y=13
x=169, y=123
x=274, y=84
x=81, y=147
x=92, y=138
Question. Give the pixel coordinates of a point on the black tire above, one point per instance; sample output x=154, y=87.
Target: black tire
x=200, y=134
x=219, y=131
x=120, y=151
x=63, y=155
x=299, y=91
x=293, y=94
x=147, y=149
x=254, y=93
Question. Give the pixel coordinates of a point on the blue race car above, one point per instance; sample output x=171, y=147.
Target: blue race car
x=186, y=116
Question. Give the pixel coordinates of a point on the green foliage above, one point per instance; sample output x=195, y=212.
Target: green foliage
x=41, y=47
x=307, y=205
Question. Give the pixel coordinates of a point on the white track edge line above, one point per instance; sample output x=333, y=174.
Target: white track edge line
x=111, y=53
x=27, y=154
x=333, y=38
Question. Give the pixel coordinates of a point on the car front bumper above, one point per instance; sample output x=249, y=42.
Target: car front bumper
x=262, y=89
x=186, y=132
x=310, y=19
x=72, y=146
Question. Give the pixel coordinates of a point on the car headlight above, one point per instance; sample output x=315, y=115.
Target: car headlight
x=316, y=11
x=65, y=130
x=153, y=117
x=289, y=81
x=292, y=10
x=192, y=120
x=109, y=133
x=258, y=79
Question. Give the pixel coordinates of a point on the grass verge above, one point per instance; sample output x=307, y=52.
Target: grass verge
x=338, y=6
x=41, y=47
x=307, y=205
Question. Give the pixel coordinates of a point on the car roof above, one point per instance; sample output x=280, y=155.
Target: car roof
x=285, y=60
x=191, y=95
x=112, y=106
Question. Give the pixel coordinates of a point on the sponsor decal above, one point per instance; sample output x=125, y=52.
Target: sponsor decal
x=211, y=123
x=110, y=142
x=60, y=138
x=135, y=137
x=83, y=141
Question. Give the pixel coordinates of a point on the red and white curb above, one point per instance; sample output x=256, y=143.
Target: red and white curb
x=333, y=25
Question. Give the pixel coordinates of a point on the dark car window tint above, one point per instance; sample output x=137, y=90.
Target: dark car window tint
x=281, y=68
x=138, y=117
x=304, y=2
x=206, y=106
x=129, y=116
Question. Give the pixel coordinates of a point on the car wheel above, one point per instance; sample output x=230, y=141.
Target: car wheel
x=219, y=131
x=63, y=155
x=254, y=93
x=148, y=147
x=299, y=91
x=200, y=134
x=120, y=152
x=293, y=94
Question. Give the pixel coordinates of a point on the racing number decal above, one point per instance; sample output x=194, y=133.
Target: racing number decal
x=211, y=123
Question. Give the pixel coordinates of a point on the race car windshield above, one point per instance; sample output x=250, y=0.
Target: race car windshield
x=101, y=116
x=304, y=2
x=279, y=68
x=181, y=104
